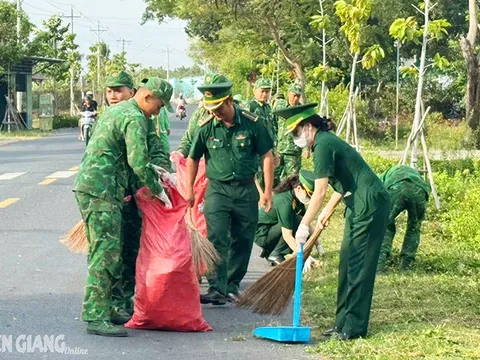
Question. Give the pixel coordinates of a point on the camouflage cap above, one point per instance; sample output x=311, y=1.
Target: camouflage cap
x=295, y=88
x=216, y=89
x=263, y=84
x=307, y=179
x=294, y=115
x=119, y=79
x=161, y=89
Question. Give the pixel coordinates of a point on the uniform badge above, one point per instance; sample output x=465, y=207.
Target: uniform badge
x=208, y=78
x=208, y=94
x=241, y=137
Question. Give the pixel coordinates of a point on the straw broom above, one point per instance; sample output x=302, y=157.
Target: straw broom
x=271, y=294
x=76, y=239
x=204, y=254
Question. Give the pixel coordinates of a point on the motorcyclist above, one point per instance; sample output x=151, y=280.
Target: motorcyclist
x=181, y=107
x=88, y=104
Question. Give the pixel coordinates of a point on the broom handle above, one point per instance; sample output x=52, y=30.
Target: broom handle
x=297, y=297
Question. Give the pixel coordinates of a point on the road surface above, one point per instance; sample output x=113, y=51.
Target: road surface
x=42, y=286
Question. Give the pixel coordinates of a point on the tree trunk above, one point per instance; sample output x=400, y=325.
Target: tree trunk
x=291, y=60
x=421, y=73
x=473, y=75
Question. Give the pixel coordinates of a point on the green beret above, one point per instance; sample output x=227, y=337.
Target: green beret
x=215, y=89
x=294, y=88
x=162, y=89
x=294, y=115
x=307, y=179
x=119, y=79
x=263, y=84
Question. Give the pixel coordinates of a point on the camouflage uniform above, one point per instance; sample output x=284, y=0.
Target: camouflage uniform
x=408, y=191
x=264, y=112
x=199, y=116
x=289, y=153
x=118, y=142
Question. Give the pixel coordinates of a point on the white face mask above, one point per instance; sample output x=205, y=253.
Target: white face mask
x=302, y=140
x=302, y=197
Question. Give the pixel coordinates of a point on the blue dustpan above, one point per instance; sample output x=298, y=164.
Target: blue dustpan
x=295, y=333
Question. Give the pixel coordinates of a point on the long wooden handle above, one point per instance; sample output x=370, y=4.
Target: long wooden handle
x=313, y=239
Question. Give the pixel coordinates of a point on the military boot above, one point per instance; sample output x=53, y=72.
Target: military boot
x=105, y=328
x=119, y=316
x=213, y=297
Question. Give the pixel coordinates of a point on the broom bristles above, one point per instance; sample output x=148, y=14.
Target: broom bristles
x=271, y=294
x=76, y=239
x=204, y=254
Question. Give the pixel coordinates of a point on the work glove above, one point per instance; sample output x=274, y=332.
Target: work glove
x=166, y=178
x=301, y=236
x=320, y=248
x=165, y=199
x=309, y=264
x=201, y=207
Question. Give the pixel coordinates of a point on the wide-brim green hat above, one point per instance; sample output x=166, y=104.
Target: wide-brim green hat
x=119, y=79
x=161, y=89
x=307, y=179
x=216, y=89
x=294, y=115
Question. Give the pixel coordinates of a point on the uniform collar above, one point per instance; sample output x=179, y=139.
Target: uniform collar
x=262, y=104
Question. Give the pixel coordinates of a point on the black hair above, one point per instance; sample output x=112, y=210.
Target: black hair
x=319, y=122
x=288, y=184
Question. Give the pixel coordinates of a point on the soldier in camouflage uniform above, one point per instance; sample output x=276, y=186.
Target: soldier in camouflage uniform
x=408, y=191
x=263, y=110
x=240, y=101
x=123, y=291
x=117, y=144
x=289, y=153
x=199, y=116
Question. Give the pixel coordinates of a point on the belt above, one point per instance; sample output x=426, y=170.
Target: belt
x=240, y=182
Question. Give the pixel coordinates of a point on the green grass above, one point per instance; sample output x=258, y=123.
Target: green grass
x=22, y=135
x=431, y=312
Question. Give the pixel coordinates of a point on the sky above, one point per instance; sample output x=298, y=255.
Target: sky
x=146, y=44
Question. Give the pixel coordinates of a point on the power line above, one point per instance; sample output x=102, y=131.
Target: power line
x=123, y=41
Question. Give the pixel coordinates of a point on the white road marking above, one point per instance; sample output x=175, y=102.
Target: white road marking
x=10, y=176
x=61, y=175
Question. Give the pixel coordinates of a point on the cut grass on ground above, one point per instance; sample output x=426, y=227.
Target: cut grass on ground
x=431, y=312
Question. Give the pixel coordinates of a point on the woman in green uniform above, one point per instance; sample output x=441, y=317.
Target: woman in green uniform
x=276, y=229
x=368, y=206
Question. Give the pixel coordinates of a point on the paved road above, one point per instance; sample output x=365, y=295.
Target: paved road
x=42, y=286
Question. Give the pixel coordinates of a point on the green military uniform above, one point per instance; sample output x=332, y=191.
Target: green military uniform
x=290, y=154
x=240, y=101
x=368, y=204
x=287, y=213
x=264, y=112
x=408, y=191
x=231, y=199
x=162, y=127
x=117, y=146
x=100, y=188
x=159, y=154
x=198, y=117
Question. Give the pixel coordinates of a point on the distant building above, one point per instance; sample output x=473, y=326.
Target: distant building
x=187, y=86
x=18, y=81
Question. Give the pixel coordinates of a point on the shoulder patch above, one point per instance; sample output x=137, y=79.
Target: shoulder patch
x=206, y=121
x=250, y=116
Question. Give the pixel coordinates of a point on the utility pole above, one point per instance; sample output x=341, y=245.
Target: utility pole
x=168, y=63
x=18, y=102
x=123, y=41
x=72, y=71
x=98, y=31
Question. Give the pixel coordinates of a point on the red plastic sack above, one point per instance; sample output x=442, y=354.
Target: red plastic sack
x=199, y=188
x=167, y=294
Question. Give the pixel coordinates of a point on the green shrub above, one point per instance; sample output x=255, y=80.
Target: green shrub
x=65, y=121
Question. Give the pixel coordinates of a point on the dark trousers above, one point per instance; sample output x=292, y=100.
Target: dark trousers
x=234, y=209
x=357, y=268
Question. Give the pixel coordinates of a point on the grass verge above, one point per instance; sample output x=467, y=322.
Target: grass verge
x=432, y=312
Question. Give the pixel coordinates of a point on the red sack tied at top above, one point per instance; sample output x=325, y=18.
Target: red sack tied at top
x=167, y=293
